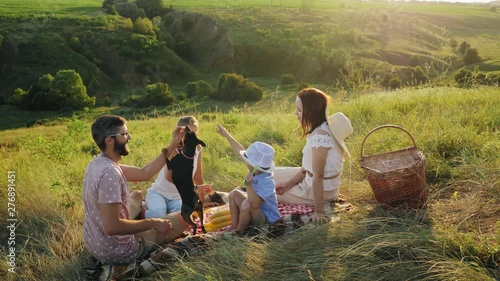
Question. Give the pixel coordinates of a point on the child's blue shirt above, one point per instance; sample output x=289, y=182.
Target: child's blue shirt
x=263, y=184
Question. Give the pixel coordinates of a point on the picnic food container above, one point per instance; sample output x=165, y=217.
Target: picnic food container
x=397, y=178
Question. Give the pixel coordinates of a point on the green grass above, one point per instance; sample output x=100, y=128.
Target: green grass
x=438, y=8
x=64, y=6
x=267, y=41
x=26, y=7
x=456, y=237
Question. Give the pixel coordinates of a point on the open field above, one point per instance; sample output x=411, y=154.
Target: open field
x=61, y=6
x=27, y=7
x=456, y=237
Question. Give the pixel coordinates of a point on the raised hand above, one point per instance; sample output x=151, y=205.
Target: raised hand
x=222, y=131
x=178, y=134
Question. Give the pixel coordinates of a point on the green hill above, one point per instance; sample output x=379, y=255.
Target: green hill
x=348, y=45
x=349, y=49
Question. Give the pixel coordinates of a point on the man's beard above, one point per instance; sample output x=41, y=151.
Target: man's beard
x=121, y=148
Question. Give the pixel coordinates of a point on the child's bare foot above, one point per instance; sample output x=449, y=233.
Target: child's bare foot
x=229, y=229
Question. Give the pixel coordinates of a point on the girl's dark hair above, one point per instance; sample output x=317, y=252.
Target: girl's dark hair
x=314, y=104
x=104, y=126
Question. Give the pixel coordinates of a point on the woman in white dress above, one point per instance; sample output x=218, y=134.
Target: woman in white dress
x=318, y=179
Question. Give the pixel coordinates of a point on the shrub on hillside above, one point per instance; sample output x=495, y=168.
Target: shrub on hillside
x=130, y=10
x=471, y=56
x=409, y=76
x=111, y=10
x=287, y=79
x=168, y=19
x=493, y=79
x=418, y=76
x=69, y=87
x=463, y=76
x=143, y=26
x=387, y=76
x=231, y=87
x=453, y=44
x=251, y=92
x=157, y=94
x=128, y=24
x=152, y=8
x=415, y=60
x=302, y=85
x=487, y=79
x=140, y=46
x=45, y=82
x=481, y=78
x=63, y=91
x=76, y=44
x=19, y=99
x=201, y=88
x=395, y=83
x=463, y=47
x=106, y=3
x=338, y=62
x=191, y=89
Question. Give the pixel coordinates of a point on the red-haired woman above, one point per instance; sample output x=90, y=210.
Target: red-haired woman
x=318, y=179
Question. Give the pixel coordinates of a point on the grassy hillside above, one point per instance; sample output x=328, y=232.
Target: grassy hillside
x=456, y=237
x=366, y=40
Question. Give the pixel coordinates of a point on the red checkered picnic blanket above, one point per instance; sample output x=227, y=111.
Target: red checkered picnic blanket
x=288, y=209
x=285, y=210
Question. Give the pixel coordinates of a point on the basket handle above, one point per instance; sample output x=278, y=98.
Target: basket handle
x=381, y=127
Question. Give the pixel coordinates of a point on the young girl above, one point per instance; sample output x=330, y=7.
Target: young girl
x=162, y=197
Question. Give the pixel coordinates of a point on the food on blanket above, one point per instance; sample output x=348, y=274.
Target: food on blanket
x=219, y=213
x=220, y=219
x=210, y=226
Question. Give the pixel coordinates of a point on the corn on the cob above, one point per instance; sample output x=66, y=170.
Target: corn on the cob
x=218, y=220
x=212, y=227
x=219, y=213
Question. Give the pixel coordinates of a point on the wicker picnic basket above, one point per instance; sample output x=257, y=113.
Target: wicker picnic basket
x=397, y=178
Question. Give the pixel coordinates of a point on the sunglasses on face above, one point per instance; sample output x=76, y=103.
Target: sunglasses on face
x=126, y=134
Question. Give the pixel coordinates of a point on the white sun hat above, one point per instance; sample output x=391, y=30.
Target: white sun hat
x=341, y=128
x=259, y=155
